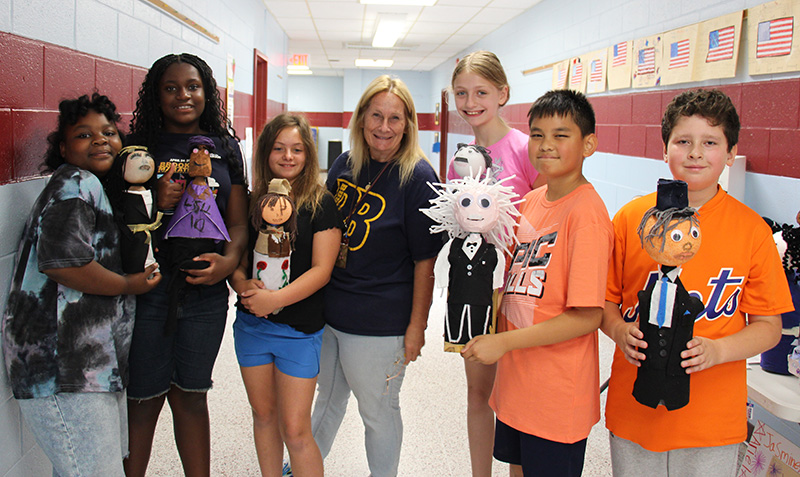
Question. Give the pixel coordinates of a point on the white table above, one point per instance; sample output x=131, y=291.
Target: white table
x=778, y=394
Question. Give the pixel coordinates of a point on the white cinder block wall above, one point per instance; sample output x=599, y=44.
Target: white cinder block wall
x=134, y=32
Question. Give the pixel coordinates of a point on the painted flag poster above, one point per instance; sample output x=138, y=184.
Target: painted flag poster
x=596, y=65
x=619, y=65
x=773, y=37
x=678, y=52
x=646, y=67
x=718, y=47
x=560, y=70
x=577, y=75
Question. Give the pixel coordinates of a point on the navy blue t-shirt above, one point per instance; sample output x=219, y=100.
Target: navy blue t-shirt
x=372, y=295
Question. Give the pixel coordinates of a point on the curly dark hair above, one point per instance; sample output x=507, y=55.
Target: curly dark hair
x=567, y=104
x=69, y=112
x=712, y=104
x=148, y=118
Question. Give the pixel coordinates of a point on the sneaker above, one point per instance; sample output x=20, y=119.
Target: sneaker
x=287, y=469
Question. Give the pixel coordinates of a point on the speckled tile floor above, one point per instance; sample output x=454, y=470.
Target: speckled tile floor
x=433, y=402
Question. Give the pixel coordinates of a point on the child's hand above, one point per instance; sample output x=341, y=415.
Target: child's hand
x=702, y=353
x=260, y=302
x=628, y=340
x=168, y=192
x=219, y=267
x=252, y=284
x=485, y=349
x=142, y=282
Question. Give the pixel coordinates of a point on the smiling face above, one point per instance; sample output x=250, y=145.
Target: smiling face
x=91, y=143
x=288, y=155
x=384, y=125
x=680, y=243
x=477, y=99
x=182, y=98
x=200, y=162
x=476, y=213
x=557, y=147
x=138, y=168
x=697, y=153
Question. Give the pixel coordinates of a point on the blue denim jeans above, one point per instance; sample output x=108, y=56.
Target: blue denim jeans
x=83, y=434
x=372, y=368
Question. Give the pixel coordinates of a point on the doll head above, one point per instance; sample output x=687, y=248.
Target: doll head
x=469, y=205
x=670, y=231
x=137, y=165
x=471, y=160
x=200, y=156
x=276, y=208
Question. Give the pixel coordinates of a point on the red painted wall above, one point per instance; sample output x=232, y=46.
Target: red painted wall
x=630, y=124
x=37, y=76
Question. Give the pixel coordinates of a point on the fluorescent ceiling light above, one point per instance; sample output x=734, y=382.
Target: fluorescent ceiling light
x=402, y=3
x=390, y=27
x=297, y=67
x=299, y=72
x=366, y=63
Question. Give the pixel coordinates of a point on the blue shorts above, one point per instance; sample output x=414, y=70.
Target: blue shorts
x=537, y=456
x=259, y=341
x=185, y=358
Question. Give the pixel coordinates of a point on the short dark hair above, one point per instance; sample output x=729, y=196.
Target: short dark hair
x=712, y=104
x=564, y=103
x=70, y=111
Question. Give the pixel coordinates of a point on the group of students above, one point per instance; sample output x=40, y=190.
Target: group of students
x=91, y=374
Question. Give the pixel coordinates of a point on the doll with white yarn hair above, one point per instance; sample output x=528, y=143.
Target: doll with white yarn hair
x=479, y=216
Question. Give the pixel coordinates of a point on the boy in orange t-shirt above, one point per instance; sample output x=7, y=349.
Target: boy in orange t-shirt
x=737, y=275
x=546, y=390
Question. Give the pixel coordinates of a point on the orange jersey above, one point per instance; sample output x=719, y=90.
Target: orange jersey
x=737, y=270
x=562, y=261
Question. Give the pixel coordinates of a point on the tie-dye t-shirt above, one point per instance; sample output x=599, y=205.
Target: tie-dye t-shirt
x=56, y=339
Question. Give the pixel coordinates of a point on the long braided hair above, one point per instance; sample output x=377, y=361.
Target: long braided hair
x=148, y=118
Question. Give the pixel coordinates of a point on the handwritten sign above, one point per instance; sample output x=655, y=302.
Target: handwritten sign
x=769, y=453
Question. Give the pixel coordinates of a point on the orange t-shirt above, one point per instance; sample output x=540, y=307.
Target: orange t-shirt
x=737, y=270
x=562, y=261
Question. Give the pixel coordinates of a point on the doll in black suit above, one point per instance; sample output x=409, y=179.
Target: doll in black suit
x=670, y=234
x=130, y=186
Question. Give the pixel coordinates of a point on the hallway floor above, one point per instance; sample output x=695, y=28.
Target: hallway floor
x=433, y=402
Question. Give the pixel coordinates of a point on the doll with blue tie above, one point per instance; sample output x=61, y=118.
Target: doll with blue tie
x=670, y=234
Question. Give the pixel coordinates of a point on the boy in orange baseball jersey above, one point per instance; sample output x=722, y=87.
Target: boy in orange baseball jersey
x=545, y=393
x=737, y=275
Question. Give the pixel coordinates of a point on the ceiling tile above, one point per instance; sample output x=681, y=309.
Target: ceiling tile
x=449, y=14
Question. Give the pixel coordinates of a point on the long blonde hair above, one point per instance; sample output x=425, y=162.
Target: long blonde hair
x=409, y=153
x=307, y=189
x=486, y=65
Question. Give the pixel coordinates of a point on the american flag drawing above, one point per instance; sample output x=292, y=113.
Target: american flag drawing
x=620, y=55
x=720, y=44
x=679, y=54
x=562, y=78
x=775, y=37
x=596, y=71
x=577, y=74
x=647, y=61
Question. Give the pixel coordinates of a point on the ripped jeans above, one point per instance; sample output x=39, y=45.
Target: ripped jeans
x=372, y=368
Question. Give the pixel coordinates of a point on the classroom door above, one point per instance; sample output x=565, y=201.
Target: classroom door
x=260, y=66
x=444, y=120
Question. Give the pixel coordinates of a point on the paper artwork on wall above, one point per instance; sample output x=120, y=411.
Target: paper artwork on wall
x=560, y=71
x=596, y=65
x=718, y=47
x=619, y=65
x=647, y=62
x=577, y=75
x=678, y=53
x=768, y=454
x=772, y=40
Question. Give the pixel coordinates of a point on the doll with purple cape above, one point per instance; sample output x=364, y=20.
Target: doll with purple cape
x=196, y=226
x=670, y=234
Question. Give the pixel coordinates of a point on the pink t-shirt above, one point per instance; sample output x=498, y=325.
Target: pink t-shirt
x=509, y=157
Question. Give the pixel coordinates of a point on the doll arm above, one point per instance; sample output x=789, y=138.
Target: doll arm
x=325, y=248
x=627, y=336
x=574, y=322
x=441, y=268
x=95, y=279
x=420, y=305
x=762, y=333
x=222, y=266
x=499, y=275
